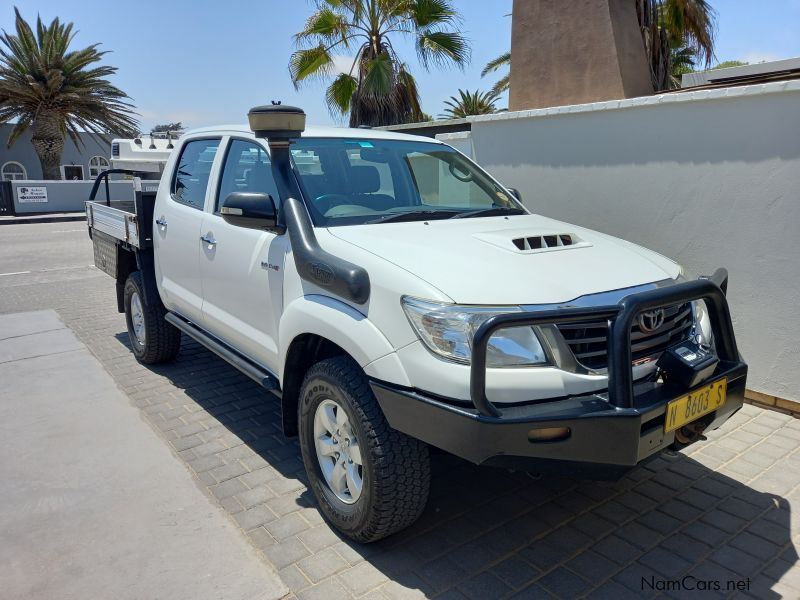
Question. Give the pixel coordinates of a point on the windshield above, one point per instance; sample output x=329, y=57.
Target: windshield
x=355, y=181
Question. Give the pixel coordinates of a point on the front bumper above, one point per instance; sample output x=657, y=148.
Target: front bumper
x=608, y=433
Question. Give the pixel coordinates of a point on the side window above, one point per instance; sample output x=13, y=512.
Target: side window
x=193, y=170
x=247, y=169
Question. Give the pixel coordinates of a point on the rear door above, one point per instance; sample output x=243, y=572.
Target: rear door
x=178, y=219
x=242, y=270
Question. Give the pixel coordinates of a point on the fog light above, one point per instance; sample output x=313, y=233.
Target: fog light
x=548, y=434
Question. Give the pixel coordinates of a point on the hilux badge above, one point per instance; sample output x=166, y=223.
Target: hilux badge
x=269, y=266
x=651, y=320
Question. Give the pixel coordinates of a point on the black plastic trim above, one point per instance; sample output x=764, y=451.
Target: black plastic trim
x=258, y=374
x=342, y=278
x=314, y=264
x=604, y=440
x=620, y=318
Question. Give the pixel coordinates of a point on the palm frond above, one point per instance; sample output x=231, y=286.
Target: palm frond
x=425, y=13
x=470, y=103
x=408, y=93
x=440, y=47
x=691, y=23
x=503, y=85
x=311, y=62
x=339, y=94
x=504, y=60
x=379, y=76
x=327, y=26
x=21, y=127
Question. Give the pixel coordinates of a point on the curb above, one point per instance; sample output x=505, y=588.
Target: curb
x=21, y=219
x=776, y=403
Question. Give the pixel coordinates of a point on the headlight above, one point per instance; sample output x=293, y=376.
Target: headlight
x=448, y=329
x=702, y=324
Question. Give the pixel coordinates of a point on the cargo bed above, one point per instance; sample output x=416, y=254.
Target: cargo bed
x=116, y=218
x=129, y=221
x=122, y=233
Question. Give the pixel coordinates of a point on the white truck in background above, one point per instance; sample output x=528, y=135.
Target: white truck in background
x=146, y=155
x=394, y=296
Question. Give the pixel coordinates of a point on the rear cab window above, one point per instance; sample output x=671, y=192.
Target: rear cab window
x=193, y=170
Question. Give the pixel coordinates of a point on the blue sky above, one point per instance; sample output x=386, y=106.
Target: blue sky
x=209, y=62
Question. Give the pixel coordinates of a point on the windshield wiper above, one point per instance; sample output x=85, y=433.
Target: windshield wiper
x=412, y=216
x=489, y=212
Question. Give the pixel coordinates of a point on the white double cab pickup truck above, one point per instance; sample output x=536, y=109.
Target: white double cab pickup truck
x=394, y=297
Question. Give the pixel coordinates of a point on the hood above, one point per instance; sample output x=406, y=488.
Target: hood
x=526, y=259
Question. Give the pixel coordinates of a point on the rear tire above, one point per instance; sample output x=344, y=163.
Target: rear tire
x=388, y=490
x=153, y=340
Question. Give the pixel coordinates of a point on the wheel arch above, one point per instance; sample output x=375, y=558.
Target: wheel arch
x=317, y=327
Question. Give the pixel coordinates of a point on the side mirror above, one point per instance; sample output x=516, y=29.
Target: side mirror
x=254, y=210
x=515, y=193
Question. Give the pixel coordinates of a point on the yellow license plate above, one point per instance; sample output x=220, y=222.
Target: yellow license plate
x=700, y=402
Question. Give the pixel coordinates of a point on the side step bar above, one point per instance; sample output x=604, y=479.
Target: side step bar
x=258, y=374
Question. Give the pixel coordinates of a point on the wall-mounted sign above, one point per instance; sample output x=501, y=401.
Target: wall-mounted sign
x=26, y=193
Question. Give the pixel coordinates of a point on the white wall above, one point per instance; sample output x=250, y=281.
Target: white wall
x=710, y=178
x=66, y=196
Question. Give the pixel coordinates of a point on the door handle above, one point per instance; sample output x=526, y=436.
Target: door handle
x=208, y=239
x=162, y=221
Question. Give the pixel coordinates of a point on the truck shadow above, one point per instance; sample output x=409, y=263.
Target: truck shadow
x=670, y=526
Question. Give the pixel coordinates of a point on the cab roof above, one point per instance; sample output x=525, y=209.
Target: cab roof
x=318, y=132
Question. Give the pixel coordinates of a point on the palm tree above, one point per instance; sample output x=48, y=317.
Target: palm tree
x=502, y=61
x=683, y=59
x=54, y=91
x=470, y=103
x=378, y=89
x=691, y=24
x=677, y=35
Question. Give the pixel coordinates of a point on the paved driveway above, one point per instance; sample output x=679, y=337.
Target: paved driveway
x=721, y=518
x=92, y=503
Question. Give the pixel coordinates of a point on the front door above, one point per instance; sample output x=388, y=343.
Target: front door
x=178, y=219
x=242, y=269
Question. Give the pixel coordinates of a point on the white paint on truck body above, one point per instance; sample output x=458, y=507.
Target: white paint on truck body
x=467, y=261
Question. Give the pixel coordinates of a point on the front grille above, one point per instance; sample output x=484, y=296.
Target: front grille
x=588, y=341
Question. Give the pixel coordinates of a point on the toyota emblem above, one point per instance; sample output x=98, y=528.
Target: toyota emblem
x=651, y=320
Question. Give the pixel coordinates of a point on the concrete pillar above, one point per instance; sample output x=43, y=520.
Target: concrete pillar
x=575, y=51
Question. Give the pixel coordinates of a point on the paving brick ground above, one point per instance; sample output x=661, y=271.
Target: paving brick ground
x=724, y=511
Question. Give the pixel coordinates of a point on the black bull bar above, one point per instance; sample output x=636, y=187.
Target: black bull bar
x=620, y=319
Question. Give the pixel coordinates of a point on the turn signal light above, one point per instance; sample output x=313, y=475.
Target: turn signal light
x=548, y=434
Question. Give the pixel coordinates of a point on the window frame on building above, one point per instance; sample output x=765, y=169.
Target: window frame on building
x=99, y=167
x=63, y=168
x=14, y=163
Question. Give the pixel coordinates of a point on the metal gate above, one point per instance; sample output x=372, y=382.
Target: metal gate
x=6, y=199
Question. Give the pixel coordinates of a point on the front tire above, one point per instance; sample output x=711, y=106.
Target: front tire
x=153, y=340
x=370, y=480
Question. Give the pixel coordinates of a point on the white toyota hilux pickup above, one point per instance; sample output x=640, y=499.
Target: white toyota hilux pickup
x=395, y=297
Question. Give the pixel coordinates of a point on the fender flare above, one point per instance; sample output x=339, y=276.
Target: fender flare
x=335, y=321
